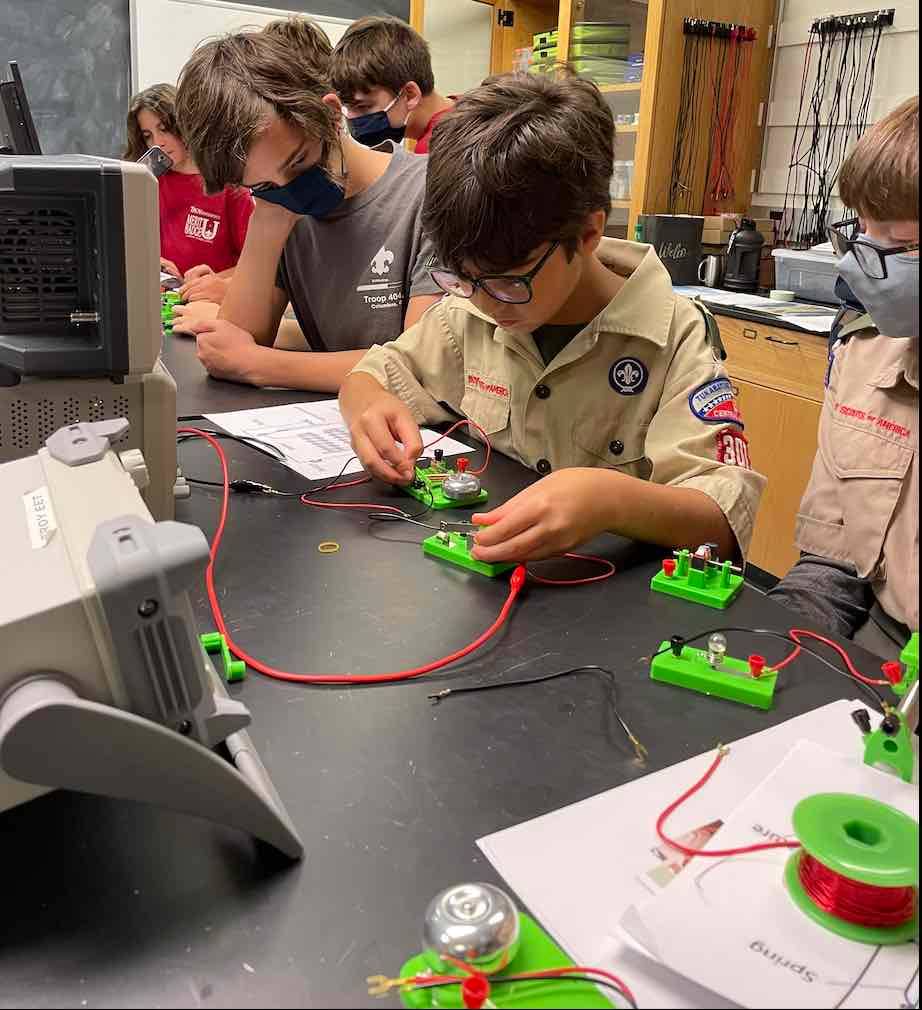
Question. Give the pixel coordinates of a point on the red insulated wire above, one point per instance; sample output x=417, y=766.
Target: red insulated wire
x=713, y=853
x=487, y=448
x=795, y=633
x=516, y=581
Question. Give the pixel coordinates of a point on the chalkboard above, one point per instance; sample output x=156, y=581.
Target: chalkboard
x=74, y=56
x=75, y=61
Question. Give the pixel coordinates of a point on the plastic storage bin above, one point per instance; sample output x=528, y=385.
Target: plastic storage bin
x=808, y=273
x=587, y=31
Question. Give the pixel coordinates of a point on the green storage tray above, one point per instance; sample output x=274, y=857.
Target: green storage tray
x=586, y=31
x=601, y=50
x=599, y=70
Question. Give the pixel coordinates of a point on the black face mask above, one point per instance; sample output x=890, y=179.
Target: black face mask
x=375, y=127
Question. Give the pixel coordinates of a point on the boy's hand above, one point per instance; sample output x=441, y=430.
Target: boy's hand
x=386, y=439
x=226, y=351
x=547, y=519
x=194, y=312
x=169, y=267
x=207, y=287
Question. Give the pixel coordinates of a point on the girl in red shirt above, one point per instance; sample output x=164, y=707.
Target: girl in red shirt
x=200, y=236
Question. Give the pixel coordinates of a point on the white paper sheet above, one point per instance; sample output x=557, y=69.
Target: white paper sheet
x=730, y=924
x=312, y=436
x=815, y=318
x=577, y=869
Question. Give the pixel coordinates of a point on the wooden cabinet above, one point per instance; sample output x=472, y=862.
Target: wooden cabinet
x=656, y=32
x=779, y=376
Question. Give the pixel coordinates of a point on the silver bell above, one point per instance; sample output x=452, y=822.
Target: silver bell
x=474, y=923
x=460, y=485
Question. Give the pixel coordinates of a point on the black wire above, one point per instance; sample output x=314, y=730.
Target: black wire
x=867, y=688
x=603, y=982
x=529, y=681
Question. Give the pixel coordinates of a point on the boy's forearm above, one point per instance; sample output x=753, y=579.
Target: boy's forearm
x=662, y=514
x=316, y=371
x=250, y=301
x=358, y=391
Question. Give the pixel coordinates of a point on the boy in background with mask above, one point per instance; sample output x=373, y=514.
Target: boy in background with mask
x=336, y=227
x=858, y=526
x=382, y=73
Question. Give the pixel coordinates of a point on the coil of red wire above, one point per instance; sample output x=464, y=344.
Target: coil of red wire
x=852, y=900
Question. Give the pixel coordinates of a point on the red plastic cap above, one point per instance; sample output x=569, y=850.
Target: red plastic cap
x=474, y=991
x=893, y=671
x=756, y=664
x=462, y=464
x=669, y=567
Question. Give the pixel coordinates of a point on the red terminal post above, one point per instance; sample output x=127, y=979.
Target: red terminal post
x=893, y=671
x=475, y=990
x=669, y=567
x=756, y=665
x=462, y=464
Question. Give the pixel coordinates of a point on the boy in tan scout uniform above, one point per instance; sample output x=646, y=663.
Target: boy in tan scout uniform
x=858, y=525
x=572, y=353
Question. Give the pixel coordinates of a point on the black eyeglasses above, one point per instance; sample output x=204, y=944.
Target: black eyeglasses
x=845, y=237
x=513, y=289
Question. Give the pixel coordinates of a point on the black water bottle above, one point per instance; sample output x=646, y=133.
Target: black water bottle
x=744, y=254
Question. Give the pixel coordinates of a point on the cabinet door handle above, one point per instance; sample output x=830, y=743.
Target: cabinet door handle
x=749, y=334
x=784, y=343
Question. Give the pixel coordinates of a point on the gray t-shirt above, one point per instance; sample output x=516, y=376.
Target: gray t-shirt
x=350, y=276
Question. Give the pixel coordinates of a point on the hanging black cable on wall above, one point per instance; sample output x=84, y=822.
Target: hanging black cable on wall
x=714, y=56
x=832, y=113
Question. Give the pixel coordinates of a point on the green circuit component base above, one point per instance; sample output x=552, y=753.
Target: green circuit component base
x=862, y=839
x=536, y=951
x=232, y=670
x=453, y=548
x=909, y=657
x=168, y=299
x=733, y=681
x=891, y=749
x=713, y=585
x=427, y=488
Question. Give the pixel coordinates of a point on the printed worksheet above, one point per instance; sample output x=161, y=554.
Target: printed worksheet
x=312, y=437
x=730, y=925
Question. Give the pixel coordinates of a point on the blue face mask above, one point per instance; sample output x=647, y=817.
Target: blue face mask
x=375, y=127
x=892, y=302
x=311, y=193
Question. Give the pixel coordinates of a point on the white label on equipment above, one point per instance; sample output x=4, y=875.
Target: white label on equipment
x=39, y=517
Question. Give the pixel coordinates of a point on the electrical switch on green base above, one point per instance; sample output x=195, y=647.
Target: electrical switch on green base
x=455, y=549
x=214, y=643
x=697, y=578
x=738, y=680
x=909, y=657
x=536, y=952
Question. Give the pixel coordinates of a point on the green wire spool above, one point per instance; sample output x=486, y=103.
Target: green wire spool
x=861, y=839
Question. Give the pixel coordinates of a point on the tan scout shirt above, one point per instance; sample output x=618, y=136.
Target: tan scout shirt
x=638, y=390
x=862, y=503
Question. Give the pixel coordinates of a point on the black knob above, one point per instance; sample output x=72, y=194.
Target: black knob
x=862, y=720
x=676, y=643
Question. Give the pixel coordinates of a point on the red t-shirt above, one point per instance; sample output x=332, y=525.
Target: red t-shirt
x=422, y=145
x=195, y=228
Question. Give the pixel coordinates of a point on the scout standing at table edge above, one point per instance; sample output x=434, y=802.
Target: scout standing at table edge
x=574, y=354
x=858, y=526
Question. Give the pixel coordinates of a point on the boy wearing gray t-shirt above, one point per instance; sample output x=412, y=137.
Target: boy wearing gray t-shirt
x=336, y=226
